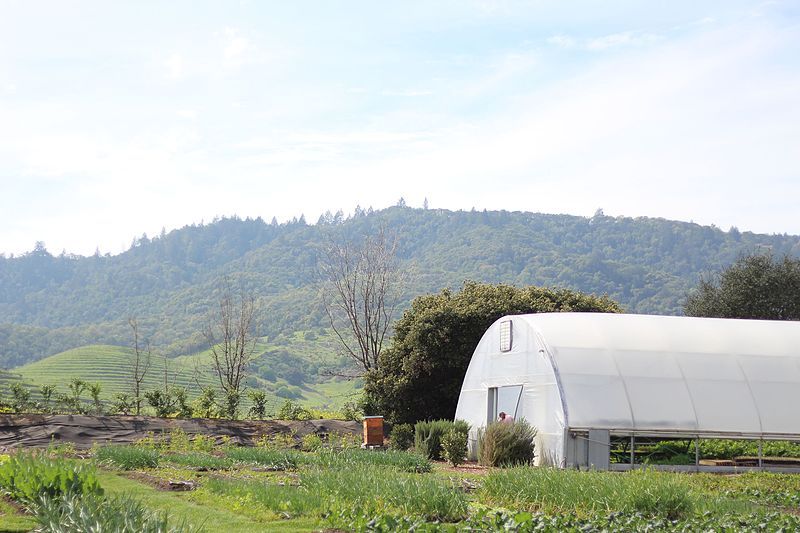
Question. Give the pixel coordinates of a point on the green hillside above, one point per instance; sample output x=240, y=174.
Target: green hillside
x=110, y=366
x=50, y=304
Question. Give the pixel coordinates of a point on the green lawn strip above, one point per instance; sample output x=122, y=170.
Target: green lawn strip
x=198, y=511
x=12, y=519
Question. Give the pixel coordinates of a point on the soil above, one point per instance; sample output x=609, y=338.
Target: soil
x=83, y=430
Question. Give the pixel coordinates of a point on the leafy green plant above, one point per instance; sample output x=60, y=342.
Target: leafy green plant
x=26, y=476
x=401, y=437
x=502, y=444
x=128, y=457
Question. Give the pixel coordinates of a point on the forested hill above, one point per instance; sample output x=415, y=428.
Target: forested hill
x=49, y=303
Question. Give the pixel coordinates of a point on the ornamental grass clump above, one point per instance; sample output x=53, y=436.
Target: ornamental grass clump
x=428, y=436
x=506, y=444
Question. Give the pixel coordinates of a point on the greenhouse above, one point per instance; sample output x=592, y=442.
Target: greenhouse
x=587, y=380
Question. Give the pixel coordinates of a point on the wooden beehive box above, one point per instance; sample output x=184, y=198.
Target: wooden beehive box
x=373, y=431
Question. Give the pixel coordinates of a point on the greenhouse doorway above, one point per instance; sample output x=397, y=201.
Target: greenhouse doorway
x=503, y=400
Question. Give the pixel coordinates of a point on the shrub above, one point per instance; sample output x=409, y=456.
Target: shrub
x=258, y=409
x=128, y=457
x=161, y=401
x=206, y=405
x=26, y=476
x=401, y=437
x=428, y=436
x=454, y=446
x=123, y=404
x=352, y=411
x=502, y=444
x=293, y=411
x=20, y=398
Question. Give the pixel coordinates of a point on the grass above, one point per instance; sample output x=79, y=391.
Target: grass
x=552, y=490
x=200, y=460
x=197, y=511
x=266, y=457
x=368, y=491
x=13, y=520
x=127, y=457
x=358, y=490
x=399, y=460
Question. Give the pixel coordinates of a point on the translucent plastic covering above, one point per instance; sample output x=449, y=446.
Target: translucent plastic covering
x=641, y=373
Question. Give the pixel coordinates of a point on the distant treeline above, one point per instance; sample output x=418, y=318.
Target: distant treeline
x=50, y=303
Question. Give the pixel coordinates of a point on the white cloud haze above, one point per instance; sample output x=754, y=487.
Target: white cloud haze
x=692, y=114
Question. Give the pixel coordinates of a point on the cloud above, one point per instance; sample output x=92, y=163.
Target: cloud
x=627, y=38
x=562, y=41
x=175, y=66
x=235, y=48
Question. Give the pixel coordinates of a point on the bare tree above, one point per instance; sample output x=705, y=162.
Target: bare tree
x=139, y=364
x=360, y=292
x=232, y=338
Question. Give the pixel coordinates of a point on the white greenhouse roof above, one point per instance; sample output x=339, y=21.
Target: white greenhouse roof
x=674, y=374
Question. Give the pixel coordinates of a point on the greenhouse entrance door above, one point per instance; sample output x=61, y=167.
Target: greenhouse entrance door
x=503, y=400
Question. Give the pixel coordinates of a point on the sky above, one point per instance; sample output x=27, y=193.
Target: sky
x=123, y=118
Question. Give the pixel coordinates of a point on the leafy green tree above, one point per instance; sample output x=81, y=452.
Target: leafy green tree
x=421, y=372
x=756, y=286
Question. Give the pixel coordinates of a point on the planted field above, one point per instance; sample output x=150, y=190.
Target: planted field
x=337, y=487
x=110, y=366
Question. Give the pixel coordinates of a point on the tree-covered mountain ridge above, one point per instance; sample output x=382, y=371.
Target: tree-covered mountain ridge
x=52, y=303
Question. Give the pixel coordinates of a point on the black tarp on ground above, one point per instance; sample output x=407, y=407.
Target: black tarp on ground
x=83, y=431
